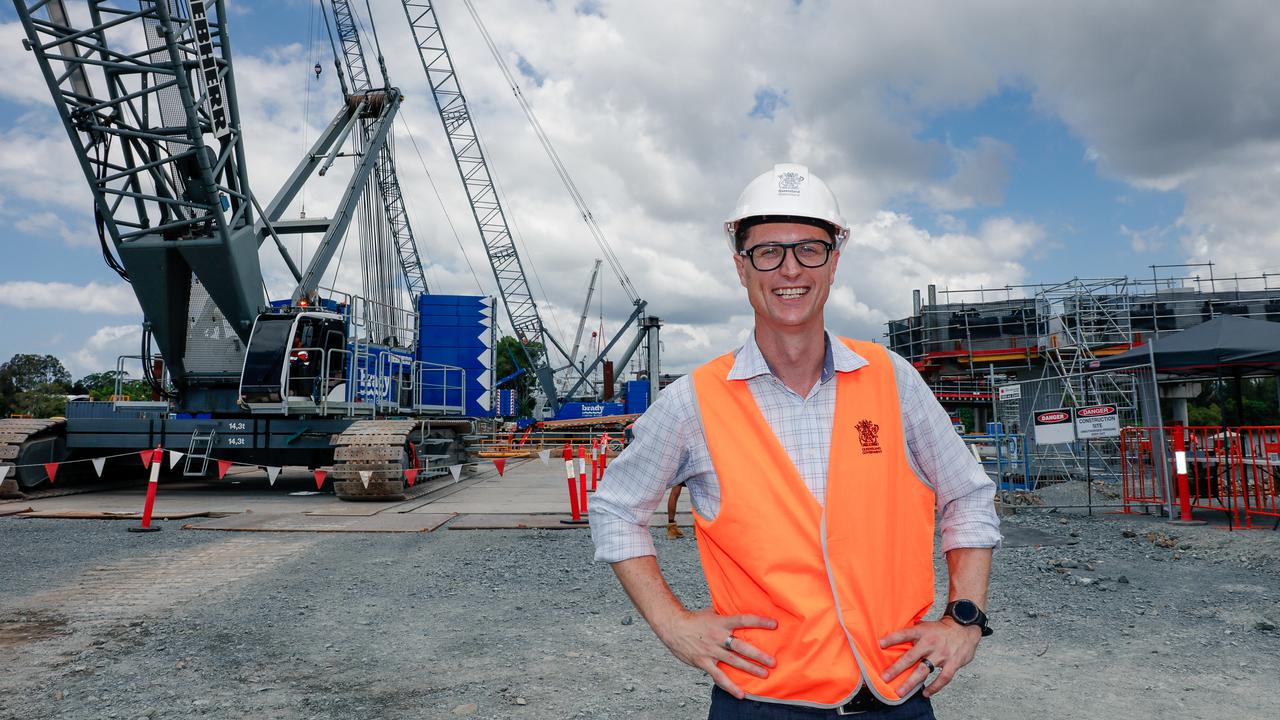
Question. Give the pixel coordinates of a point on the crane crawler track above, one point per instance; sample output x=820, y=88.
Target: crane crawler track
x=29, y=442
x=384, y=449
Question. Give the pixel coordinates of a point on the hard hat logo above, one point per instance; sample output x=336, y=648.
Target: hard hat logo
x=787, y=193
x=789, y=182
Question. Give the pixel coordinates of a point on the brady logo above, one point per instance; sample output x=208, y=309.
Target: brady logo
x=867, y=436
x=372, y=386
x=1054, y=416
x=789, y=183
x=1096, y=411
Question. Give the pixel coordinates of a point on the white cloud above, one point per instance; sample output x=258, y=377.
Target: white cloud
x=42, y=225
x=1147, y=240
x=888, y=257
x=654, y=123
x=100, y=351
x=90, y=298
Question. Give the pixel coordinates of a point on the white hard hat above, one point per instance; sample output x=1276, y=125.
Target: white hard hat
x=788, y=191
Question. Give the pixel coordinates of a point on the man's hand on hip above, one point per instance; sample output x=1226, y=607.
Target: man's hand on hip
x=705, y=639
x=945, y=644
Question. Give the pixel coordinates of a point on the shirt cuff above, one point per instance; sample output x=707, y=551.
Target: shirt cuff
x=617, y=539
x=971, y=521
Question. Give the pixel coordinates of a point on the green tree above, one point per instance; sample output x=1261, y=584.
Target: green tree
x=102, y=385
x=510, y=355
x=99, y=385
x=28, y=371
x=33, y=384
x=44, y=401
x=1216, y=403
x=1200, y=414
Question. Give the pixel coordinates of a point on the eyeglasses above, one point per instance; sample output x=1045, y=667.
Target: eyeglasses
x=769, y=256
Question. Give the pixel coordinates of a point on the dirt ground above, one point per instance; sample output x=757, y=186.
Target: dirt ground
x=1112, y=616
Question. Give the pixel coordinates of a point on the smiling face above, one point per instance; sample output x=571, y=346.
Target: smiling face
x=790, y=298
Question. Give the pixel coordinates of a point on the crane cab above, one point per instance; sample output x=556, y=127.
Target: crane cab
x=298, y=356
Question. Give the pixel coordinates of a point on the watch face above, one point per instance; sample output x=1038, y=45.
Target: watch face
x=965, y=612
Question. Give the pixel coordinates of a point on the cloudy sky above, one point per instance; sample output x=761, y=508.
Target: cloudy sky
x=977, y=144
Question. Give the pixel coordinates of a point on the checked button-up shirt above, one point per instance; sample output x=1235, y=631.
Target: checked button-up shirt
x=668, y=449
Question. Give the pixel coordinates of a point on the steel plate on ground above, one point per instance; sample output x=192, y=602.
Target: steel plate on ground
x=297, y=522
x=513, y=522
x=108, y=515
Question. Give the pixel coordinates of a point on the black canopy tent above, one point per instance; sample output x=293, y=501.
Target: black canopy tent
x=1226, y=346
x=1262, y=358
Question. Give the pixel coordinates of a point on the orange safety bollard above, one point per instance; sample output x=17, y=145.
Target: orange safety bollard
x=576, y=516
x=595, y=463
x=157, y=457
x=1180, y=471
x=582, y=477
x=604, y=454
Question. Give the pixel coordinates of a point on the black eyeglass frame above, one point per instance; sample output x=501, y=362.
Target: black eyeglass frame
x=749, y=254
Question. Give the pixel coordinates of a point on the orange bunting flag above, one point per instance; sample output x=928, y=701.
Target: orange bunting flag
x=411, y=475
x=52, y=469
x=320, y=476
x=501, y=464
x=223, y=467
x=146, y=459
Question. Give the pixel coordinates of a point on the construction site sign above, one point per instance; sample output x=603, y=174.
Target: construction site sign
x=1054, y=426
x=1097, y=421
x=1010, y=392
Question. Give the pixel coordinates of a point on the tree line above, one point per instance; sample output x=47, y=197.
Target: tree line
x=38, y=386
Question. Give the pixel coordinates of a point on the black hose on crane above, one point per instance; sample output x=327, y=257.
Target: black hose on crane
x=104, y=151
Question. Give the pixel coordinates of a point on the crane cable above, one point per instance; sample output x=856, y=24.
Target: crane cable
x=563, y=172
x=517, y=235
x=413, y=141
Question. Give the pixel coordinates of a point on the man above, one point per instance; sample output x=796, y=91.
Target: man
x=815, y=466
x=673, y=501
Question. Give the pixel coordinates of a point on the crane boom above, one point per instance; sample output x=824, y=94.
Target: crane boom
x=486, y=207
x=157, y=135
x=597, y=233
x=386, y=178
x=586, y=307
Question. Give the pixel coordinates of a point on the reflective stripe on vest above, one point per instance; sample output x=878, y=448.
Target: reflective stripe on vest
x=836, y=578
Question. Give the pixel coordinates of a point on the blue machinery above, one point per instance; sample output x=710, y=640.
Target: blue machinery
x=1003, y=456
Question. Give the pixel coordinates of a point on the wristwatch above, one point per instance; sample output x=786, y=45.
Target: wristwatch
x=967, y=612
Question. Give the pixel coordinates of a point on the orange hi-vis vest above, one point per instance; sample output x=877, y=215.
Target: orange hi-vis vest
x=836, y=577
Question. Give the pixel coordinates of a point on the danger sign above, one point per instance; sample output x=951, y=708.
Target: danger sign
x=1097, y=421
x=1054, y=426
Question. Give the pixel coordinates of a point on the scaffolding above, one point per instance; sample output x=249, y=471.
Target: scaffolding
x=1043, y=338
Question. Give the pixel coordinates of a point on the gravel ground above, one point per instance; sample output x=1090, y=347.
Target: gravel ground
x=1117, y=616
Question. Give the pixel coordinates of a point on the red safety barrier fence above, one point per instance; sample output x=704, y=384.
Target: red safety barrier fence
x=1260, y=470
x=1213, y=469
x=1232, y=470
x=1140, y=477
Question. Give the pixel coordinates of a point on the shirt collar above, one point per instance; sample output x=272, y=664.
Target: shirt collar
x=749, y=362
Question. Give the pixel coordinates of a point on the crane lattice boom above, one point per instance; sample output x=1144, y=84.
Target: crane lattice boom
x=486, y=207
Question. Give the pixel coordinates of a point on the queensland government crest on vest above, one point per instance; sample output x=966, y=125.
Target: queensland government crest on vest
x=867, y=436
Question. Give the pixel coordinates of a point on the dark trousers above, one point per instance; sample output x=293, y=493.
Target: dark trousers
x=725, y=707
